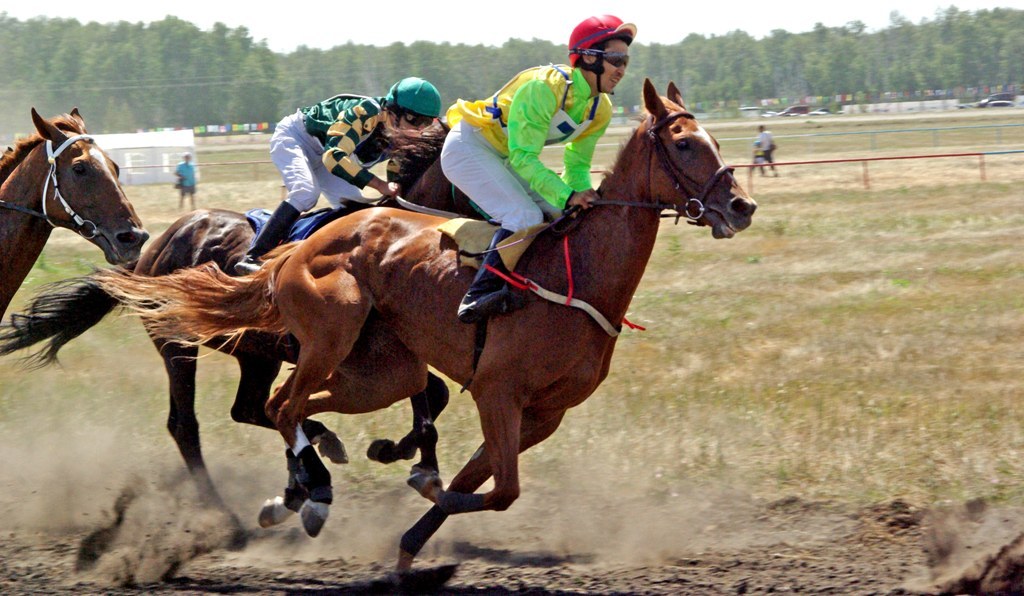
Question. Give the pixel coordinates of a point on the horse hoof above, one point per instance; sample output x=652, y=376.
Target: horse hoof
x=422, y=581
x=382, y=450
x=274, y=512
x=425, y=482
x=238, y=540
x=331, y=447
x=313, y=515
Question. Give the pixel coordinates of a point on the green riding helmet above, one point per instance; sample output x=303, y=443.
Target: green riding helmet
x=414, y=94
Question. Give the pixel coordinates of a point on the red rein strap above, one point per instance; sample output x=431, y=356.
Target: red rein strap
x=521, y=283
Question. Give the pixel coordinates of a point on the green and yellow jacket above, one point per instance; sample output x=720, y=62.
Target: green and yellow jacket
x=351, y=129
x=517, y=119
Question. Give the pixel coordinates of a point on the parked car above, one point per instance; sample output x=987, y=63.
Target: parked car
x=819, y=112
x=752, y=111
x=769, y=114
x=795, y=111
x=998, y=100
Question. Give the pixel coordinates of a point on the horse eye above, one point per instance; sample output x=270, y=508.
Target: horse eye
x=78, y=168
x=682, y=144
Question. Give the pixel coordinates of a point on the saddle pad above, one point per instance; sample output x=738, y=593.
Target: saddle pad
x=304, y=227
x=473, y=235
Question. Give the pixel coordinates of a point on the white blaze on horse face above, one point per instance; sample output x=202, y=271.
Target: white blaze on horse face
x=704, y=136
x=101, y=160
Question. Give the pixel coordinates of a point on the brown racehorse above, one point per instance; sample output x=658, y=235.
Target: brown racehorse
x=62, y=311
x=78, y=190
x=378, y=290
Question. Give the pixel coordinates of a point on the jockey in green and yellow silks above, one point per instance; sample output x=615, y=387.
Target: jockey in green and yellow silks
x=328, y=149
x=493, y=150
x=553, y=105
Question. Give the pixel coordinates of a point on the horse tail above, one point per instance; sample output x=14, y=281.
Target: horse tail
x=197, y=305
x=60, y=312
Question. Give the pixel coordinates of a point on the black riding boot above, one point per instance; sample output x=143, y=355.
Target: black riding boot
x=489, y=294
x=273, y=233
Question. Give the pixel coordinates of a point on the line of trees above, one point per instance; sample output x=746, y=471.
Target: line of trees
x=125, y=76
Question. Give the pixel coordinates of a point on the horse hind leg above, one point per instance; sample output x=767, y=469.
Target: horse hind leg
x=309, y=481
x=279, y=509
x=332, y=316
x=182, y=424
x=257, y=377
x=180, y=364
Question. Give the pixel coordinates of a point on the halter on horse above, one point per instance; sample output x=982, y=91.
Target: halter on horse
x=97, y=208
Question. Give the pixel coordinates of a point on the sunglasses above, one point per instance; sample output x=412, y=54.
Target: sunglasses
x=416, y=120
x=616, y=59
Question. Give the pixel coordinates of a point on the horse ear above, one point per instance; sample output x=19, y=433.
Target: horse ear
x=652, y=101
x=675, y=95
x=78, y=116
x=47, y=130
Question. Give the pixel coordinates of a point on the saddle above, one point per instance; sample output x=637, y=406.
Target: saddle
x=474, y=236
x=471, y=235
x=304, y=226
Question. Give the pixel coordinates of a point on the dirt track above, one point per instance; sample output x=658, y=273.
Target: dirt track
x=706, y=542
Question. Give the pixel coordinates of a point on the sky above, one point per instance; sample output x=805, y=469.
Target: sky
x=408, y=21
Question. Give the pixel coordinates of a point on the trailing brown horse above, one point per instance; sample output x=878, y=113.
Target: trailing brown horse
x=379, y=290
x=59, y=178
x=64, y=310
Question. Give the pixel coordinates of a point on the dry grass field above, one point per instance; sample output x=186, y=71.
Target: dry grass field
x=853, y=347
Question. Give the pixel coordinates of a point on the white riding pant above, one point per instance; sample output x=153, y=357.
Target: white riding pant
x=475, y=166
x=298, y=155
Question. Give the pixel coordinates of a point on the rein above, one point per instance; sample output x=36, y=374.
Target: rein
x=51, y=177
x=693, y=209
x=678, y=177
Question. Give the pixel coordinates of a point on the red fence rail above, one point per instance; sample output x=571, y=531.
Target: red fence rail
x=865, y=160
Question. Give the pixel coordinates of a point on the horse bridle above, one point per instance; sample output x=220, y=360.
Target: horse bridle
x=679, y=177
x=51, y=176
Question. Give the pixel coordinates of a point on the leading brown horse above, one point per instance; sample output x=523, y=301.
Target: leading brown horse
x=59, y=178
x=378, y=290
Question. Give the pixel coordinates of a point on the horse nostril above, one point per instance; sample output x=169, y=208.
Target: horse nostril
x=742, y=206
x=132, y=238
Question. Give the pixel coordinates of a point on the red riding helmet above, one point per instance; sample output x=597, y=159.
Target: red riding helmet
x=596, y=30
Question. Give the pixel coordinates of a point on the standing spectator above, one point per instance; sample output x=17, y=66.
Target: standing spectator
x=767, y=145
x=186, y=173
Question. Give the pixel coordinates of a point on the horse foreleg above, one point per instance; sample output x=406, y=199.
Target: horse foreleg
x=535, y=428
x=427, y=405
x=437, y=399
x=470, y=477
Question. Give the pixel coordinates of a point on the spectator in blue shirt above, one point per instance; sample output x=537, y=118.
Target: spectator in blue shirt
x=186, y=173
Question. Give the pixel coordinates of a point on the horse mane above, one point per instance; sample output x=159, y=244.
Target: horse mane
x=14, y=155
x=413, y=154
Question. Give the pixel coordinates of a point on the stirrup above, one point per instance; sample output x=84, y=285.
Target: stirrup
x=248, y=266
x=485, y=306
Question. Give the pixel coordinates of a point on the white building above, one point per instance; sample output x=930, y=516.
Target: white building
x=148, y=157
